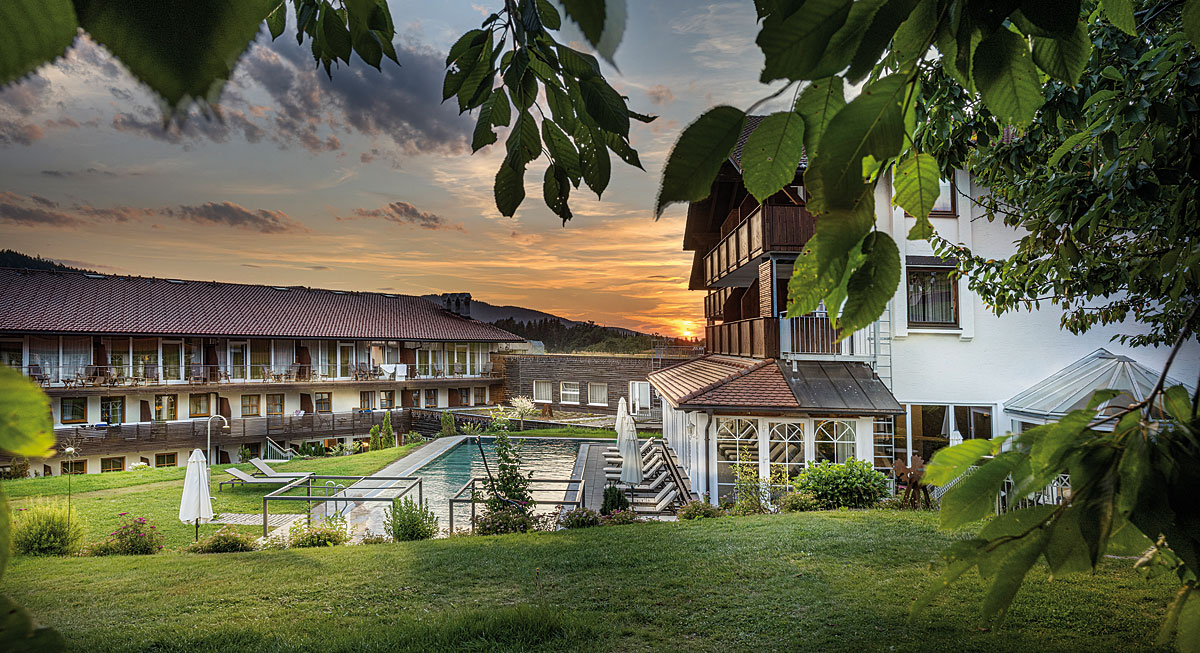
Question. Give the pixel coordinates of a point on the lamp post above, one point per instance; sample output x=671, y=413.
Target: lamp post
x=208, y=448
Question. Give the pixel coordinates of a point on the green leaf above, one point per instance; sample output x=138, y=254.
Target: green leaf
x=560, y=108
x=471, y=39
x=830, y=256
x=483, y=134
x=1066, y=552
x=523, y=143
x=1059, y=17
x=25, y=426
x=872, y=285
x=793, y=45
x=277, y=20
x=960, y=557
x=337, y=36
x=605, y=105
x=1063, y=58
x=698, y=155
x=148, y=43
x=817, y=104
x=1187, y=634
x=875, y=40
x=846, y=41
x=974, y=496
x=914, y=35
x=509, y=189
x=549, y=15
x=1051, y=441
x=1120, y=14
x=772, y=154
x=589, y=15
x=1069, y=145
x=1191, y=25
x=20, y=634
x=871, y=124
x=556, y=189
x=917, y=186
x=1100, y=397
x=1010, y=573
x=593, y=158
x=948, y=463
x=621, y=148
x=562, y=150
x=500, y=114
x=33, y=32
x=1003, y=71
x=1178, y=404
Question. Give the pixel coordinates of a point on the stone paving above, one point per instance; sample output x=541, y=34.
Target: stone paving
x=253, y=519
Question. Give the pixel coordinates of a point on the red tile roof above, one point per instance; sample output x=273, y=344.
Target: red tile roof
x=73, y=302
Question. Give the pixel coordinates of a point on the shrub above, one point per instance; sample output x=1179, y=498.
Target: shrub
x=331, y=531
x=507, y=519
x=47, y=529
x=225, y=540
x=387, y=436
x=18, y=468
x=614, y=499
x=499, y=421
x=135, y=537
x=580, y=518
x=375, y=443
x=244, y=454
x=408, y=520
x=311, y=449
x=470, y=429
x=139, y=466
x=798, y=502
x=620, y=518
x=852, y=484
x=699, y=510
x=448, y=427
x=372, y=538
x=524, y=408
x=414, y=438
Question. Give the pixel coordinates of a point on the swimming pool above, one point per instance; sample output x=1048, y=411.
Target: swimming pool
x=444, y=475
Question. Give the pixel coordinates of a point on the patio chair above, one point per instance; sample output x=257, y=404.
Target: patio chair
x=265, y=470
x=660, y=505
x=656, y=499
x=242, y=478
x=37, y=374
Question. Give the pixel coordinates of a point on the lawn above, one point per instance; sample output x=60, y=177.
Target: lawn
x=155, y=493
x=809, y=581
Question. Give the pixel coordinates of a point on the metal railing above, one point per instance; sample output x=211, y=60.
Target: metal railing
x=157, y=374
x=812, y=336
x=474, y=495
x=276, y=452
x=341, y=493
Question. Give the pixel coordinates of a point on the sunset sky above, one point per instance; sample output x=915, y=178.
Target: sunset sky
x=365, y=182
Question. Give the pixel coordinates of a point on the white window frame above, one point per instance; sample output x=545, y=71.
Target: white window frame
x=563, y=394
x=549, y=386
x=603, y=388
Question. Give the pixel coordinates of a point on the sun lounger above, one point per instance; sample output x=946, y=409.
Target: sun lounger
x=265, y=470
x=242, y=478
x=643, y=449
x=656, y=499
x=652, y=485
x=613, y=473
x=658, y=507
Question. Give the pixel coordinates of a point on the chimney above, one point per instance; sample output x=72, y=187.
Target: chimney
x=458, y=303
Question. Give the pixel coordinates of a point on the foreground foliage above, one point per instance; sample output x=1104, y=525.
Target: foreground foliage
x=47, y=528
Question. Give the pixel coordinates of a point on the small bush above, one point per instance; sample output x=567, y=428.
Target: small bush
x=699, y=510
x=18, y=468
x=620, y=518
x=614, y=499
x=47, y=529
x=852, y=484
x=408, y=520
x=225, y=540
x=311, y=449
x=506, y=519
x=331, y=531
x=448, y=427
x=244, y=454
x=139, y=466
x=372, y=538
x=798, y=502
x=579, y=518
x=135, y=537
x=414, y=438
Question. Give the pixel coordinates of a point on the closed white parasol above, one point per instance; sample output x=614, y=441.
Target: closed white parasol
x=627, y=444
x=196, y=505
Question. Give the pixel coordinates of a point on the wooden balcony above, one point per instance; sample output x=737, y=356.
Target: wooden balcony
x=756, y=338
x=767, y=228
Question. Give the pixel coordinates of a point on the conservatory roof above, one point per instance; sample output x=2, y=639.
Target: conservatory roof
x=1070, y=388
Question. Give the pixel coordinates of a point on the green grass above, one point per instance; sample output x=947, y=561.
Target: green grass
x=155, y=493
x=810, y=581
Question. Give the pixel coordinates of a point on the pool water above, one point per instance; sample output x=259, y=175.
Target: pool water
x=446, y=474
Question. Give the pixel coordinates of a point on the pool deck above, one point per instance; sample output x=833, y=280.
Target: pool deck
x=593, y=473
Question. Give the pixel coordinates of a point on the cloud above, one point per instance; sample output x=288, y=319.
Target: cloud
x=403, y=213
x=19, y=132
x=234, y=215
x=660, y=94
x=18, y=212
x=724, y=34
x=26, y=96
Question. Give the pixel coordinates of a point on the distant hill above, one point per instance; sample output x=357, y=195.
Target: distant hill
x=485, y=312
x=12, y=259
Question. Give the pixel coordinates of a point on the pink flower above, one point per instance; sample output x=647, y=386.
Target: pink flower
x=122, y=514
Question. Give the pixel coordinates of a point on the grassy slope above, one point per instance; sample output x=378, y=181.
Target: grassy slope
x=154, y=493
x=815, y=581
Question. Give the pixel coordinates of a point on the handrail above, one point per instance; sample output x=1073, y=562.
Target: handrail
x=278, y=495
x=457, y=498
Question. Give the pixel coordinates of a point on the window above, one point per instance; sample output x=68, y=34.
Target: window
x=597, y=394
x=366, y=400
x=164, y=460
x=275, y=404
x=568, y=392
x=542, y=391
x=737, y=444
x=431, y=398
x=74, y=467
x=11, y=353
x=639, y=396
x=165, y=407
x=324, y=402
x=250, y=405
x=387, y=399
x=198, y=405
x=946, y=201
x=345, y=359
x=112, y=410
x=932, y=298
x=464, y=396
x=834, y=440
x=937, y=426
x=785, y=446
x=260, y=358
x=116, y=464
x=73, y=410
x=480, y=396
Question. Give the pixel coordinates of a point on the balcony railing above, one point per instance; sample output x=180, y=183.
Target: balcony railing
x=756, y=338
x=150, y=374
x=279, y=427
x=765, y=229
x=811, y=337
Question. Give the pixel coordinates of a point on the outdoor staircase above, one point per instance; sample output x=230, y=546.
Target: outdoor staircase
x=277, y=454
